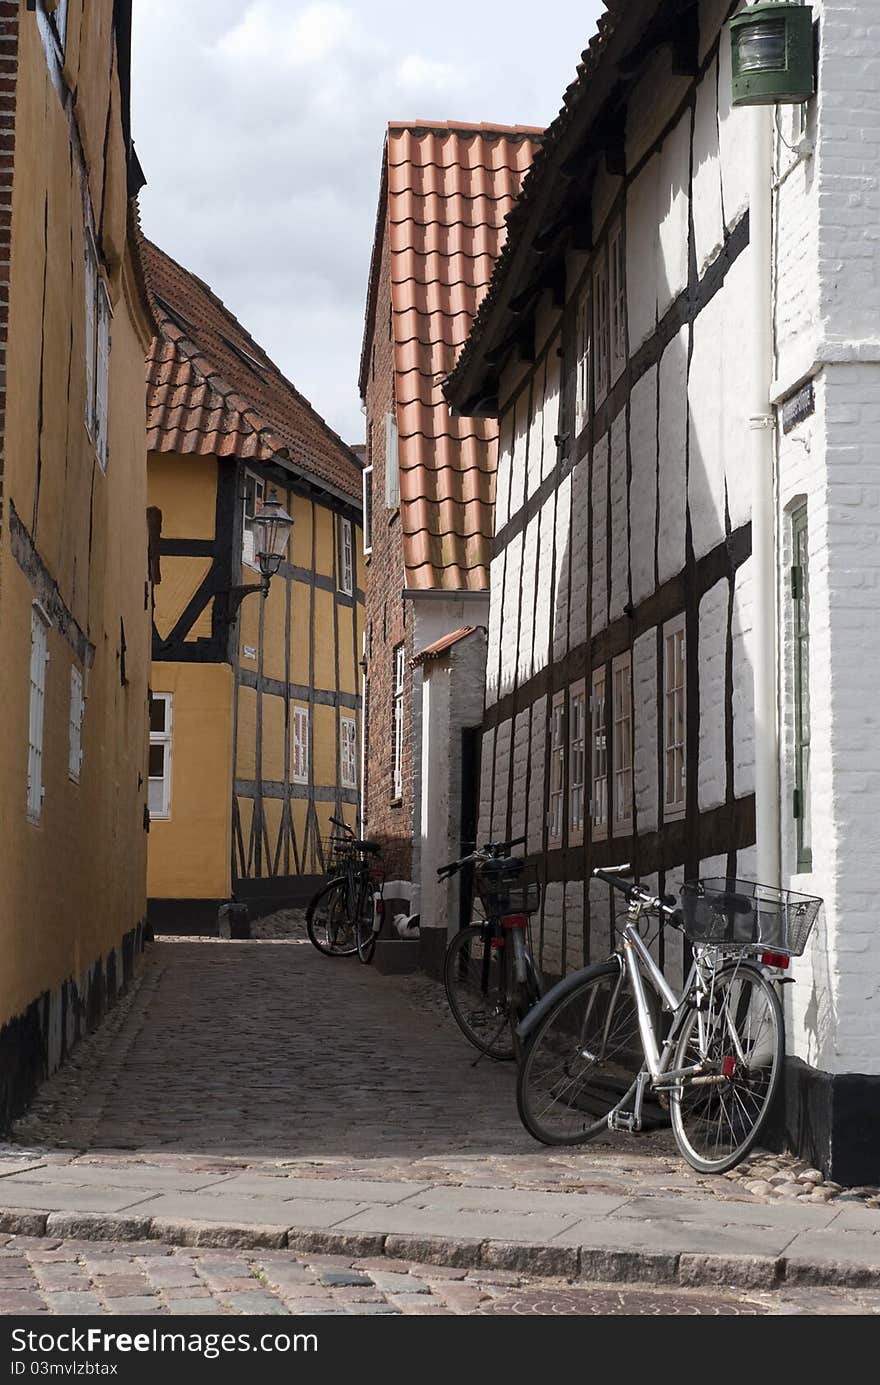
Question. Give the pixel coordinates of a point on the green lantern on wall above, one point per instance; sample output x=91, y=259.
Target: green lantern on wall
x=772, y=54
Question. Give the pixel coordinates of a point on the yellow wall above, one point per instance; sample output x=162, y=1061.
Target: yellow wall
x=74, y=883
x=190, y=852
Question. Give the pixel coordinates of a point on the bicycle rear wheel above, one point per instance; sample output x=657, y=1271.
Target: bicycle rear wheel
x=327, y=921
x=583, y=1060
x=474, y=974
x=364, y=922
x=716, y=1123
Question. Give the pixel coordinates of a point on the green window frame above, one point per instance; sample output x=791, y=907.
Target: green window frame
x=800, y=595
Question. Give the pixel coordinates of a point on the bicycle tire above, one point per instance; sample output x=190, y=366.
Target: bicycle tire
x=330, y=932
x=482, y=1016
x=741, y=1104
x=565, y=1092
x=363, y=925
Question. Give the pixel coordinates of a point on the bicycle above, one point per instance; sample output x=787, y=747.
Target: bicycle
x=344, y=916
x=490, y=978
x=593, y=1049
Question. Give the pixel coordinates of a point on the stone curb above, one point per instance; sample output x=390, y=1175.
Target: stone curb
x=584, y=1263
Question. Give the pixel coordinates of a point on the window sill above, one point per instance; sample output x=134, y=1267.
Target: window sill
x=575, y=839
x=673, y=814
x=397, y=802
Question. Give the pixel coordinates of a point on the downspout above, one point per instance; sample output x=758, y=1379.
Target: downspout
x=762, y=450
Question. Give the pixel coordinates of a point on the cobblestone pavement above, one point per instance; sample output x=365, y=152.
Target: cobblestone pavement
x=40, y=1276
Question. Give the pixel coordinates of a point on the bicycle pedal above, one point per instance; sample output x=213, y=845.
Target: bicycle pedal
x=624, y=1120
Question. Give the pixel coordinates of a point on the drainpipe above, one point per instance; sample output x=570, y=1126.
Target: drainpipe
x=762, y=454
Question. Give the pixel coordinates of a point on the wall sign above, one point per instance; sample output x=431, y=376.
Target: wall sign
x=798, y=407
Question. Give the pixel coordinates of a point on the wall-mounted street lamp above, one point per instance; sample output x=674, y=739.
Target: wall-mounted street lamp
x=272, y=526
x=772, y=55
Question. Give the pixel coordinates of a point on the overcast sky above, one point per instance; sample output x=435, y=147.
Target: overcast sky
x=260, y=129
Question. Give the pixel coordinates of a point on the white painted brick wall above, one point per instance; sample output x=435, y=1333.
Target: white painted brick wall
x=641, y=253
x=713, y=653
x=574, y=925
x=520, y=448
x=536, y=432
x=673, y=201
x=521, y=731
x=551, y=951
x=705, y=399
x=525, y=651
x=503, y=474
x=619, y=518
x=487, y=758
x=645, y=718
x=536, y=783
x=580, y=481
x=510, y=614
x=732, y=127
x=599, y=484
x=543, y=603
x=734, y=403
x=708, y=219
x=502, y=780
x=643, y=486
x=550, y=413
x=496, y=592
x=562, y=569
x=673, y=441
x=743, y=682
x=601, y=944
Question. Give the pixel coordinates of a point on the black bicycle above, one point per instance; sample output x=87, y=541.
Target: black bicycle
x=490, y=977
x=345, y=915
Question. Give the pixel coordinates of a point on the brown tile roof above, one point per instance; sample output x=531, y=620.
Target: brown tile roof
x=447, y=189
x=440, y=647
x=211, y=390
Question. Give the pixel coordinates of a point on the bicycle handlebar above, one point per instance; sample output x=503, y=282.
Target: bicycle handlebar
x=337, y=822
x=492, y=851
x=613, y=875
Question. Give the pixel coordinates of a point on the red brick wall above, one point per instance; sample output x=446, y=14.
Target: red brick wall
x=389, y=623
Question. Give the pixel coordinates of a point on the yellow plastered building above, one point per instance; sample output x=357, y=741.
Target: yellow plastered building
x=256, y=696
x=75, y=321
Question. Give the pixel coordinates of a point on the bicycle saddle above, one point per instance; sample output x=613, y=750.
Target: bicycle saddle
x=502, y=865
x=374, y=847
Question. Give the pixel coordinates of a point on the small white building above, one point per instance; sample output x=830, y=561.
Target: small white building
x=682, y=343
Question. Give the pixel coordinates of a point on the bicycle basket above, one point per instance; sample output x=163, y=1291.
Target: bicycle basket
x=335, y=851
x=741, y=914
x=508, y=888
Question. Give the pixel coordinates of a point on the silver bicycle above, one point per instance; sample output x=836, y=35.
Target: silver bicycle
x=596, y=1046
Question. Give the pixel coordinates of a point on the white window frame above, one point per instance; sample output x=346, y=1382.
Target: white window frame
x=392, y=464
x=346, y=557
x=556, y=803
x=616, y=300
x=104, y=315
x=300, y=765
x=165, y=739
x=584, y=365
x=77, y=713
x=397, y=723
x=601, y=324
x=248, y=554
x=40, y=625
x=599, y=755
x=348, y=756
x=622, y=743
x=91, y=328
x=577, y=761
x=367, y=491
x=674, y=719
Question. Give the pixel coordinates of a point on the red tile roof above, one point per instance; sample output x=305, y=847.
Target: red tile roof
x=446, y=190
x=441, y=646
x=211, y=390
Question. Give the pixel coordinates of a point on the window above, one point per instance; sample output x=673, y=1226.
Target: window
x=392, y=471
x=39, y=661
x=160, y=755
x=91, y=307
x=577, y=762
x=368, y=509
x=617, y=293
x=601, y=326
x=584, y=339
x=349, y=752
x=674, y=698
x=254, y=494
x=800, y=591
x=622, y=742
x=557, y=769
x=77, y=712
x=346, y=557
x=397, y=724
x=300, y=745
x=599, y=757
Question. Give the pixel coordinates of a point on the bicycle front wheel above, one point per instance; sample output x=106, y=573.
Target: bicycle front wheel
x=327, y=921
x=364, y=923
x=717, y=1120
x=474, y=975
x=582, y=1061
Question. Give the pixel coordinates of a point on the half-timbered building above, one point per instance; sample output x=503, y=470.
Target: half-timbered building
x=686, y=392
x=255, y=710
x=429, y=491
